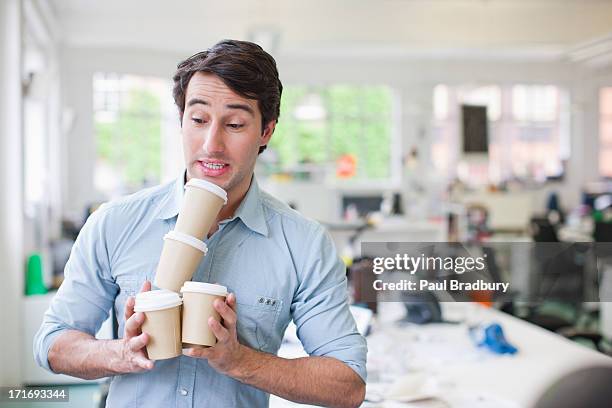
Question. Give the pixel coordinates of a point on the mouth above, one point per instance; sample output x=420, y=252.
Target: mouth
x=213, y=168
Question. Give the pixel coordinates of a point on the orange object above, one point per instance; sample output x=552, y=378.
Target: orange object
x=346, y=166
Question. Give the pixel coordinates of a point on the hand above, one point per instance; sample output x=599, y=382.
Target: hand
x=132, y=347
x=226, y=354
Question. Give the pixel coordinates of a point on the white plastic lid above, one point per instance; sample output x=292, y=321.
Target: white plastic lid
x=207, y=185
x=187, y=239
x=201, y=287
x=156, y=300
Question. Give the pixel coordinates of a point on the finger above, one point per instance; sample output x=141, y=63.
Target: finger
x=129, y=307
x=132, y=325
x=198, y=352
x=231, y=301
x=144, y=363
x=226, y=312
x=220, y=332
x=138, y=343
x=146, y=286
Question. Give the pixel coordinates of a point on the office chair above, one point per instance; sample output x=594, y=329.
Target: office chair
x=556, y=282
x=559, y=283
x=542, y=230
x=602, y=235
x=361, y=277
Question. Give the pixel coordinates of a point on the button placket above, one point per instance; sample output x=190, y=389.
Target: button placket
x=186, y=382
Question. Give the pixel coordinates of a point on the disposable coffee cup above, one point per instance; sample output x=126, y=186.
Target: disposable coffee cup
x=201, y=205
x=180, y=257
x=162, y=311
x=198, y=298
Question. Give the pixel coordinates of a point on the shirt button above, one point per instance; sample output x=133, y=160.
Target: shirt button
x=183, y=392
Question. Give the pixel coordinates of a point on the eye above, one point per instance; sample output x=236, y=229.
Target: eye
x=235, y=125
x=197, y=120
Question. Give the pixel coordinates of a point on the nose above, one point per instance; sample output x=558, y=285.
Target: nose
x=213, y=140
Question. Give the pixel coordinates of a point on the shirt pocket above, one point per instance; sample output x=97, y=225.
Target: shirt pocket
x=257, y=318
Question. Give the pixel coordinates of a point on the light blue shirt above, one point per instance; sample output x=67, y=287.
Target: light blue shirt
x=280, y=265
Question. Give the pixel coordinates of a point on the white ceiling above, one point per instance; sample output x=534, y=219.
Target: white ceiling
x=352, y=27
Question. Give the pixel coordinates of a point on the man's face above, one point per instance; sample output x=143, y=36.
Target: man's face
x=221, y=133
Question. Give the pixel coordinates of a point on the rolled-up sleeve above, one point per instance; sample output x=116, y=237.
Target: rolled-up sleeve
x=86, y=296
x=320, y=308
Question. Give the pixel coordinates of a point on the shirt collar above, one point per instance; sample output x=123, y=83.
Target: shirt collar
x=250, y=211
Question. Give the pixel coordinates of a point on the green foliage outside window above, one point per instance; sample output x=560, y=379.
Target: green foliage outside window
x=357, y=121
x=131, y=142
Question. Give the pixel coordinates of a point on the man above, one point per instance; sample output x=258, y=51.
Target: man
x=277, y=264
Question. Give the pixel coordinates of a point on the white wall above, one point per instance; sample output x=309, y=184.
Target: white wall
x=11, y=208
x=414, y=80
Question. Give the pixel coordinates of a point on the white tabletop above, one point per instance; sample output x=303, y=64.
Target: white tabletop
x=443, y=359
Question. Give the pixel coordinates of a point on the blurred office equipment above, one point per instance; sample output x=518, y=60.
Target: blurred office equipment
x=558, y=277
x=60, y=253
x=603, y=232
x=421, y=308
x=361, y=279
x=605, y=297
x=542, y=230
x=475, y=129
x=554, y=211
x=34, y=284
x=364, y=204
x=477, y=222
x=587, y=387
x=508, y=212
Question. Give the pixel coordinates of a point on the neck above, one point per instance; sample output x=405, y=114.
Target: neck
x=234, y=199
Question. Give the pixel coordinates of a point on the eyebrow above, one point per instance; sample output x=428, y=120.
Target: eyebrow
x=240, y=106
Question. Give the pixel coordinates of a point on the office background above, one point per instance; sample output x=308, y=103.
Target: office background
x=371, y=128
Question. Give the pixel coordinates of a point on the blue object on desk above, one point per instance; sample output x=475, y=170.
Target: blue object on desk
x=492, y=337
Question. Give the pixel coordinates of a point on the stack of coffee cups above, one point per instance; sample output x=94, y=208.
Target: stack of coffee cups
x=182, y=252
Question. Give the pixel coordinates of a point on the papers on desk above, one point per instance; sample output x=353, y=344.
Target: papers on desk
x=457, y=401
x=407, y=366
x=421, y=390
x=410, y=388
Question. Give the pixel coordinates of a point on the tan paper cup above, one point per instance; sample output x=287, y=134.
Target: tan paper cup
x=162, y=310
x=179, y=259
x=198, y=298
x=201, y=205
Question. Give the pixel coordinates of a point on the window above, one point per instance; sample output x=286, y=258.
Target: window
x=133, y=117
x=338, y=131
x=528, y=130
x=605, y=132
x=534, y=103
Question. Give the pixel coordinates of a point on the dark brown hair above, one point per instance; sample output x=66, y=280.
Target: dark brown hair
x=244, y=67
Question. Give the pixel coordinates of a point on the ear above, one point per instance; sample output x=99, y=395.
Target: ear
x=267, y=133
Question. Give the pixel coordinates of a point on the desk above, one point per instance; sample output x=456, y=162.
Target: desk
x=444, y=353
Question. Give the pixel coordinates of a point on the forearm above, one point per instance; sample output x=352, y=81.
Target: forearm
x=81, y=355
x=312, y=380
